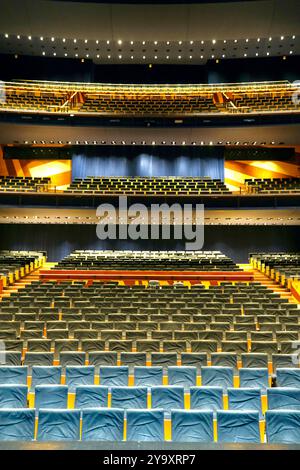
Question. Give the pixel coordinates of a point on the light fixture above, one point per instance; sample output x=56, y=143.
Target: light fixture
x=291, y=52
x=258, y=39
x=191, y=42
x=107, y=42
x=183, y=143
x=29, y=37
x=144, y=57
x=247, y=40
x=256, y=54
x=201, y=57
x=191, y=56
x=131, y=42
x=66, y=55
x=180, y=42
x=153, y=142
x=75, y=40
x=41, y=38
x=212, y=56
x=293, y=37
x=155, y=57
x=52, y=39
x=268, y=53
x=6, y=35
x=120, y=57
x=143, y=43
x=97, y=42
x=168, y=42
x=18, y=37
x=87, y=55
x=245, y=55
x=214, y=41
x=155, y=42
x=270, y=39
x=98, y=56
x=130, y=57
x=119, y=42
x=235, y=40
x=202, y=42
x=281, y=38
x=202, y=143
x=211, y=142
x=108, y=56
x=54, y=53
x=43, y=53
x=223, y=56
x=167, y=57
x=76, y=55
x=64, y=40
x=224, y=41
x=179, y=57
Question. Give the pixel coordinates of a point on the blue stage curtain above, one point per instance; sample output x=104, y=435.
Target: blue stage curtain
x=148, y=161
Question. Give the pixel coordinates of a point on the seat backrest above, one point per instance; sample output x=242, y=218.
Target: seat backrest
x=51, y=396
x=252, y=377
x=185, y=376
x=282, y=427
x=148, y=376
x=79, y=375
x=17, y=424
x=217, y=376
x=238, y=426
x=45, y=375
x=13, y=396
x=114, y=375
x=129, y=397
x=244, y=399
x=58, y=425
x=106, y=424
x=13, y=375
x=206, y=398
x=91, y=396
x=280, y=398
x=192, y=426
x=167, y=397
x=145, y=425
x=288, y=377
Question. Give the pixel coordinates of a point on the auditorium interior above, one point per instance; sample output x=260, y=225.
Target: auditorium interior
x=130, y=340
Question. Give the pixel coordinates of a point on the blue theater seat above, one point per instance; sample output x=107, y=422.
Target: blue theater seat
x=288, y=377
x=79, y=375
x=245, y=399
x=167, y=398
x=280, y=398
x=51, y=396
x=217, y=376
x=106, y=424
x=145, y=425
x=114, y=375
x=13, y=396
x=17, y=424
x=58, y=425
x=192, y=426
x=283, y=427
x=253, y=377
x=129, y=397
x=91, y=396
x=207, y=398
x=186, y=376
x=148, y=376
x=238, y=426
x=13, y=375
x=45, y=375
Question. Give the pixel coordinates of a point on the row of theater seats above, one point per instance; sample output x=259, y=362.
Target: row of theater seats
x=24, y=183
x=185, y=376
x=188, y=186
x=147, y=260
x=282, y=267
x=272, y=185
x=15, y=264
x=116, y=424
x=159, y=360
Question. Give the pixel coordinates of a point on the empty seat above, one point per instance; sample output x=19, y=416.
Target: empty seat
x=79, y=375
x=102, y=358
x=206, y=346
x=288, y=377
x=282, y=427
x=13, y=396
x=132, y=359
x=254, y=377
x=91, y=396
x=238, y=426
x=167, y=398
x=245, y=399
x=185, y=376
x=148, y=376
x=72, y=358
x=105, y=424
x=58, y=425
x=38, y=359
x=164, y=359
x=268, y=347
x=255, y=360
x=114, y=375
x=39, y=345
x=284, y=360
x=45, y=375
x=280, y=398
x=13, y=375
x=51, y=396
x=224, y=359
x=192, y=426
x=217, y=376
x=129, y=397
x=194, y=359
x=17, y=424
x=206, y=398
x=12, y=358
x=145, y=425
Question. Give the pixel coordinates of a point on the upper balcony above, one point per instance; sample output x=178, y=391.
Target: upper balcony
x=141, y=100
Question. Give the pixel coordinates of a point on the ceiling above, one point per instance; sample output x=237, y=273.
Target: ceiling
x=157, y=33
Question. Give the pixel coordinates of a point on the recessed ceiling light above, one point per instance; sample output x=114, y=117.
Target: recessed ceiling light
x=291, y=52
x=224, y=41
x=52, y=39
x=153, y=142
x=247, y=40
x=131, y=42
x=131, y=57
x=119, y=41
x=245, y=55
x=143, y=43
x=256, y=54
x=183, y=143
x=167, y=57
x=76, y=55
x=168, y=42
x=64, y=40
x=6, y=35
x=180, y=42
x=281, y=38
x=107, y=42
x=270, y=39
x=258, y=39
x=87, y=55
x=293, y=37
x=43, y=53
x=235, y=40
x=74, y=40
x=212, y=56
x=108, y=56
x=29, y=37
x=202, y=42
x=66, y=55
x=155, y=42
x=223, y=55
x=155, y=57
x=144, y=57
x=201, y=57
x=18, y=37
x=214, y=41
x=191, y=56
x=120, y=57
x=191, y=42
x=268, y=53
x=98, y=56
x=179, y=57
x=54, y=53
